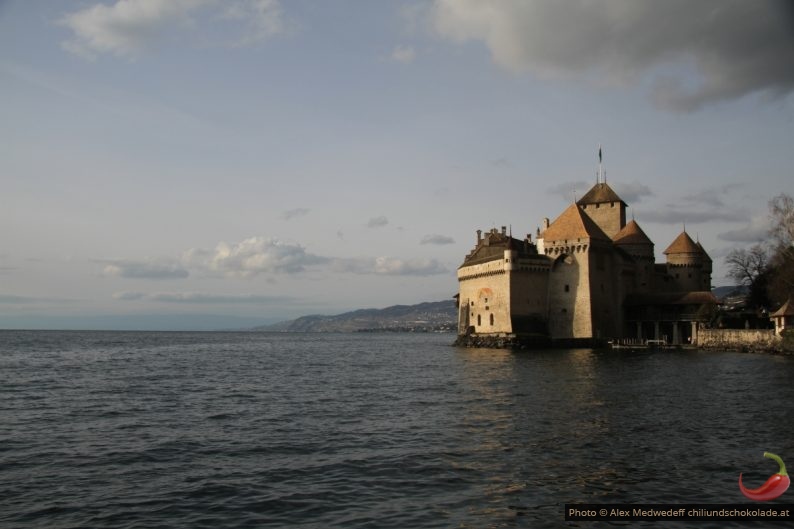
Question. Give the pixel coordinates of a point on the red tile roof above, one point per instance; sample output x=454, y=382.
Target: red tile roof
x=683, y=244
x=599, y=194
x=671, y=298
x=786, y=310
x=632, y=234
x=573, y=224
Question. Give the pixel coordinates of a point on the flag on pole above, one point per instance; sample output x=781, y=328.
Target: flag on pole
x=599, y=154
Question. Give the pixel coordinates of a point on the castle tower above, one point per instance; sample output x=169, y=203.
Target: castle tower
x=582, y=293
x=688, y=264
x=605, y=207
x=639, y=246
x=502, y=287
x=707, y=269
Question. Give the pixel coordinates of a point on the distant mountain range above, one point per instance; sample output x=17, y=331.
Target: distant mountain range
x=424, y=317
x=724, y=292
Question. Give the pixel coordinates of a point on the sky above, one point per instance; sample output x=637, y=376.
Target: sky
x=202, y=164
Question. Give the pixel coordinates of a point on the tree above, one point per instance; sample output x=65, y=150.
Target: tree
x=781, y=213
x=751, y=269
x=781, y=277
x=767, y=269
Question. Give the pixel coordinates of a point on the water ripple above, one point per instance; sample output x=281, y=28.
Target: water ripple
x=268, y=430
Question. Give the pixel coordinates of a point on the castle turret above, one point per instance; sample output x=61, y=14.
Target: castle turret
x=685, y=264
x=632, y=240
x=605, y=207
x=511, y=254
x=707, y=268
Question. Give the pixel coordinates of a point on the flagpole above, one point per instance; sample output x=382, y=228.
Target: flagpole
x=600, y=170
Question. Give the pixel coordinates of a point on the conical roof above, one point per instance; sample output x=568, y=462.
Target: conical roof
x=786, y=310
x=683, y=244
x=632, y=234
x=599, y=194
x=703, y=251
x=573, y=224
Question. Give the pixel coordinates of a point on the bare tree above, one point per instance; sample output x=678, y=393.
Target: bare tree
x=751, y=269
x=767, y=270
x=745, y=266
x=781, y=213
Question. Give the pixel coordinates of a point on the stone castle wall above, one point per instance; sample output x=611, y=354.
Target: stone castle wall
x=605, y=292
x=610, y=216
x=484, y=289
x=569, y=297
x=741, y=339
x=529, y=291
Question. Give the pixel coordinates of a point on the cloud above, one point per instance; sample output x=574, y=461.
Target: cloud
x=437, y=239
x=128, y=296
x=377, y=222
x=389, y=266
x=403, y=54
x=10, y=299
x=733, y=48
x=713, y=197
x=144, y=270
x=567, y=190
x=259, y=255
x=126, y=28
x=757, y=230
x=252, y=256
x=679, y=216
x=200, y=298
x=263, y=19
x=13, y=300
x=632, y=192
x=293, y=213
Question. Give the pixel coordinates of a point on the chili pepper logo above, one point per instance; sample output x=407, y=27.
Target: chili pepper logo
x=774, y=486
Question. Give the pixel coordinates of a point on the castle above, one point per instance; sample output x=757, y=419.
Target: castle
x=589, y=277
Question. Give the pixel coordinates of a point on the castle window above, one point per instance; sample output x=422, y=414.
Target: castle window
x=487, y=307
x=486, y=300
x=598, y=206
x=564, y=311
x=567, y=288
x=612, y=204
x=491, y=319
x=479, y=320
x=472, y=303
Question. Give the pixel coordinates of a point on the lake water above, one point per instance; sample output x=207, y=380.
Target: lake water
x=109, y=429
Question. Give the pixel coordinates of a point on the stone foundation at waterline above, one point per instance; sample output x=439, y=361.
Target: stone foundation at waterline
x=749, y=340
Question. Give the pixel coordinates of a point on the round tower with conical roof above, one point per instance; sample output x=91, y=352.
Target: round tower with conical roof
x=632, y=240
x=688, y=264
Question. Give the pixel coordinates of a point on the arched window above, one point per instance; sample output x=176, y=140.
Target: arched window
x=492, y=320
x=479, y=320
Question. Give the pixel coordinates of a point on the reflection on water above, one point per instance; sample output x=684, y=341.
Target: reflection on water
x=584, y=425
